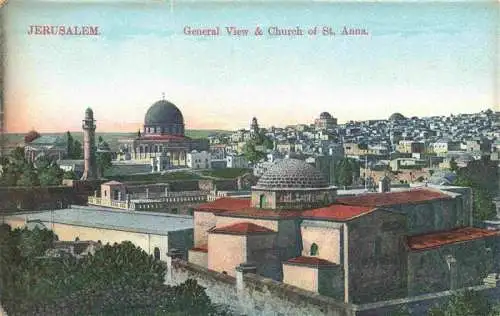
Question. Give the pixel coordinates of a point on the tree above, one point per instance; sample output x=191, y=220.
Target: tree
x=74, y=147
x=28, y=177
x=70, y=144
x=483, y=172
x=35, y=242
x=50, y=175
x=483, y=207
x=70, y=175
x=104, y=161
x=31, y=136
x=348, y=170
x=464, y=303
x=251, y=154
x=119, y=279
x=13, y=167
x=453, y=165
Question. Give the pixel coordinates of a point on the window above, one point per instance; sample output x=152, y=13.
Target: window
x=157, y=253
x=262, y=200
x=314, y=250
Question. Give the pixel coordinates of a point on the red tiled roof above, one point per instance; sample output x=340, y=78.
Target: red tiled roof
x=314, y=261
x=163, y=137
x=435, y=240
x=224, y=204
x=263, y=213
x=241, y=229
x=337, y=212
x=202, y=248
x=392, y=198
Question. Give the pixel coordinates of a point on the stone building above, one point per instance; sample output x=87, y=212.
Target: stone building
x=52, y=147
x=162, y=134
x=155, y=233
x=357, y=249
x=325, y=121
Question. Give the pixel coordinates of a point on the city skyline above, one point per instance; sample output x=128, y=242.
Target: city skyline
x=430, y=60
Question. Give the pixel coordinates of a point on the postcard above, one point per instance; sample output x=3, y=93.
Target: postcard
x=249, y=157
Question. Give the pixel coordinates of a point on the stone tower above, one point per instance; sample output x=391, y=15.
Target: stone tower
x=254, y=127
x=89, y=148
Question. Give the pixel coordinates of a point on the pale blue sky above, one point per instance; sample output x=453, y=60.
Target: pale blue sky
x=420, y=59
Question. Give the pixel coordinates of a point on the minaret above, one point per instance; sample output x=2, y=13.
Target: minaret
x=254, y=127
x=89, y=149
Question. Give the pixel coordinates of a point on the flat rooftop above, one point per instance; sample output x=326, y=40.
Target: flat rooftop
x=152, y=223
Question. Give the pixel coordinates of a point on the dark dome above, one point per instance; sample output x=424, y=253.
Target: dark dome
x=292, y=173
x=325, y=115
x=163, y=113
x=397, y=117
x=89, y=114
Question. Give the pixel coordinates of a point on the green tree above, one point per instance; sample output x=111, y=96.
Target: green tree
x=31, y=136
x=75, y=149
x=348, y=170
x=483, y=207
x=28, y=177
x=70, y=175
x=70, y=144
x=465, y=303
x=104, y=161
x=483, y=172
x=251, y=153
x=453, y=165
x=119, y=279
x=13, y=167
x=35, y=242
x=49, y=172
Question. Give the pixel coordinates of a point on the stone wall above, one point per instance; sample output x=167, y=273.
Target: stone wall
x=377, y=261
x=431, y=271
x=219, y=287
x=221, y=184
x=256, y=295
x=420, y=305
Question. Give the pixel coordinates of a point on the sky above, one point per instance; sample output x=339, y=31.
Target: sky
x=418, y=59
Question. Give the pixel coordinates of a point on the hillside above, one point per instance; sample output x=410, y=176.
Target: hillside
x=111, y=138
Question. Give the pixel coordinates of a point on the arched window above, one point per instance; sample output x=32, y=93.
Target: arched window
x=314, y=250
x=157, y=253
x=262, y=200
x=77, y=239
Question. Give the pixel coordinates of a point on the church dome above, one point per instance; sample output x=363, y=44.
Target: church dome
x=163, y=113
x=292, y=173
x=325, y=115
x=397, y=117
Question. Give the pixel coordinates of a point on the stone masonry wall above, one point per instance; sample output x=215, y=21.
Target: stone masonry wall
x=259, y=296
